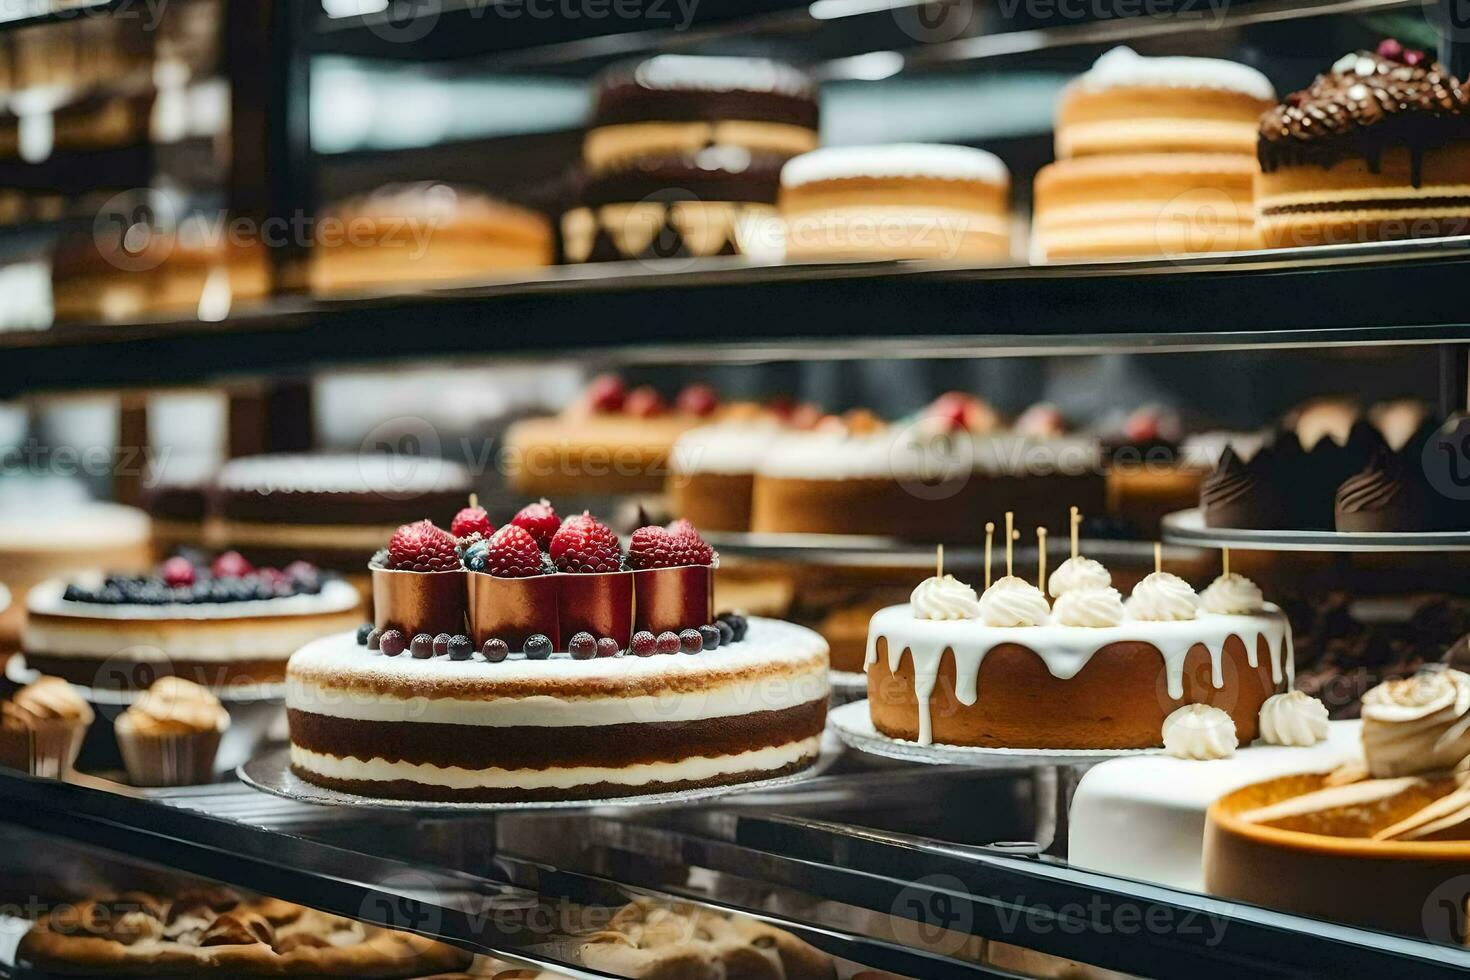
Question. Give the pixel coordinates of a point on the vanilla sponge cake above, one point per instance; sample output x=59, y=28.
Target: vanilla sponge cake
x=909, y=200
x=1376, y=149
x=1155, y=156
x=1131, y=104
x=528, y=730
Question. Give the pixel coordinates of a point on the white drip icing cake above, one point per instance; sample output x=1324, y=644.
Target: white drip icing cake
x=1008, y=669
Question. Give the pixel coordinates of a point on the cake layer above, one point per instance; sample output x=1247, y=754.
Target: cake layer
x=408, y=782
x=128, y=673
x=1157, y=120
x=713, y=501
x=568, y=455
x=441, y=729
x=963, y=683
x=337, y=491
x=897, y=231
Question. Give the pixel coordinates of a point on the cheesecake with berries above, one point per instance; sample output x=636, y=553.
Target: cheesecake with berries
x=219, y=624
x=612, y=440
x=541, y=660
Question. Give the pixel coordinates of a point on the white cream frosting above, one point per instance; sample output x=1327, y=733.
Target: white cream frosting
x=1233, y=593
x=1122, y=67
x=1013, y=602
x=47, y=599
x=914, y=451
x=944, y=598
x=895, y=160
x=79, y=526
x=1293, y=718
x=320, y=680
x=730, y=448
x=1093, y=608
x=696, y=768
x=1078, y=573
x=1200, y=731
x=342, y=473
x=1163, y=597
x=1067, y=649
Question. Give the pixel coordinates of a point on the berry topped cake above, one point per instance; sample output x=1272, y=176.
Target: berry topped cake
x=1009, y=669
x=541, y=660
x=218, y=623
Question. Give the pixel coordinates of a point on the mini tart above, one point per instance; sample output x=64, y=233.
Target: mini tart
x=424, y=233
x=217, y=644
x=1326, y=864
x=1128, y=104
x=1375, y=149
x=1145, y=205
x=680, y=104
x=1068, y=687
x=894, y=202
x=557, y=729
x=216, y=933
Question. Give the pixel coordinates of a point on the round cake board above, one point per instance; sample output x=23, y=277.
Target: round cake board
x=854, y=726
x=270, y=772
x=18, y=673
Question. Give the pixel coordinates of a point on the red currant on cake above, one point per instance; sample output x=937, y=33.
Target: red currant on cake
x=608, y=647
x=690, y=641
x=583, y=646
x=539, y=520
x=231, y=564
x=644, y=403
x=495, y=650
x=471, y=520
x=668, y=642
x=441, y=645
x=178, y=572
x=422, y=547
x=644, y=644
x=606, y=393
x=585, y=545
x=391, y=643
x=422, y=646
x=511, y=552
x=698, y=399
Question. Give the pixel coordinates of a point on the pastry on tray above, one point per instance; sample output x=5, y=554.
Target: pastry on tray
x=541, y=661
x=214, y=932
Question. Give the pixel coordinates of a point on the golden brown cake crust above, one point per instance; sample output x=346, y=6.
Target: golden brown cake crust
x=1119, y=700
x=218, y=935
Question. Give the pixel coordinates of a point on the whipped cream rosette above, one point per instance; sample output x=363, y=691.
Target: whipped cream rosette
x=1200, y=731
x=1293, y=718
x=1013, y=601
x=944, y=597
x=1420, y=724
x=1078, y=573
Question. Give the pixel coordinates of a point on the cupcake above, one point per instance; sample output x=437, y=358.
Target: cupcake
x=1376, y=149
x=170, y=736
x=41, y=728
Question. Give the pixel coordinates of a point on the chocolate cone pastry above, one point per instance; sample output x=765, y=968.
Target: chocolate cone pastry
x=1385, y=496
x=1247, y=495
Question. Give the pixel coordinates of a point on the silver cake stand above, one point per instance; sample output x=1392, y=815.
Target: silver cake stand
x=1054, y=773
x=270, y=772
x=1187, y=527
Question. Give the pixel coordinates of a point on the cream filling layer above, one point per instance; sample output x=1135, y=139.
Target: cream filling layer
x=543, y=711
x=697, y=769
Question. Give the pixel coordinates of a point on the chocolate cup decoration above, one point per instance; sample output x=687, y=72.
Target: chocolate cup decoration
x=419, y=602
x=673, y=598
x=598, y=603
x=515, y=609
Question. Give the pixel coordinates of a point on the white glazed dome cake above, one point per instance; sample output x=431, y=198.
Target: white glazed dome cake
x=539, y=661
x=1009, y=670
x=901, y=201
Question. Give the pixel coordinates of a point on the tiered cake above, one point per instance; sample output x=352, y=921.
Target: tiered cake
x=499, y=671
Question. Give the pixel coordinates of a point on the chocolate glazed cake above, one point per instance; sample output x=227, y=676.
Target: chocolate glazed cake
x=1378, y=148
x=1245, y=494
x=1386, y=496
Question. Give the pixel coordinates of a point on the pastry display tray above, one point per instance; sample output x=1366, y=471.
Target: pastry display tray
x=1187, y=527
x=873, y=551
x=270, y=772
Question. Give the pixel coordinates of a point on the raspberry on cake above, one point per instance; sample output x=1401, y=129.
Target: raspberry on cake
x=471, y=520
x=539, y=520
x=673, y=579
x=419, y=582
x=596, y=595
x=217, y=624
